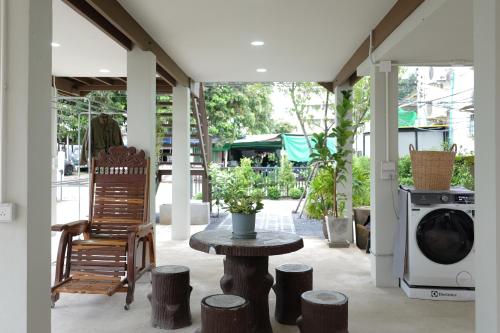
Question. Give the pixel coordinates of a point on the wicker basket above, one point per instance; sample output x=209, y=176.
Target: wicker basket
x=432, y=170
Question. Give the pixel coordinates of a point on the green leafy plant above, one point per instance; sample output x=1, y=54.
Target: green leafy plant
x=273, y=193
x=320, y=197
x=360, y=181
x=336, y=162
x=219, y=179
x=295, y=193
x=234, y=189
x=286, y=177
x=198, y=196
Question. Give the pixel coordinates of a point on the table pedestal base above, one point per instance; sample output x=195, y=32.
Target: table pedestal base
x=249, y=278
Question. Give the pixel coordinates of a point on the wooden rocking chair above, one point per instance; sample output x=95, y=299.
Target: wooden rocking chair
x=117, y=234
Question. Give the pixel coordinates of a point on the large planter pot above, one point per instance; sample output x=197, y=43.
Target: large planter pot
x=361, y=215
x=243, y=226
x=338, y=231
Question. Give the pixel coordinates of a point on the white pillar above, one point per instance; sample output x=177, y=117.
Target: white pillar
x=141, y=111
x=25, y=243
x=383, y=194
x=346, y=188
x=53, y=131
x=487, y=145
x=181, y=166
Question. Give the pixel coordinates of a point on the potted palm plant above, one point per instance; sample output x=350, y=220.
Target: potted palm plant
x=242, y=200
x=335, y=163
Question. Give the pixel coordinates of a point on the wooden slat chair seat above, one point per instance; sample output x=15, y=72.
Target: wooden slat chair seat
x=116, y=235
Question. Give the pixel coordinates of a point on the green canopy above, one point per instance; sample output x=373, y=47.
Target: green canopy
x=406, y=118
x=296, y=147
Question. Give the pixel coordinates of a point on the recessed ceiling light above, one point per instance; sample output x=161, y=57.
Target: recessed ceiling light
x=261, y=70
x=257, y=43
x=54, y=44
x=104, y=70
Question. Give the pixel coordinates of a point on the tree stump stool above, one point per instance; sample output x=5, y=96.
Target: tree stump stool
x=323, y=311
x=224, y=314
x=292, y=280
x=170, y=297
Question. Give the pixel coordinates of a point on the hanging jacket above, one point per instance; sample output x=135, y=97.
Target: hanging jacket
x=105, y=133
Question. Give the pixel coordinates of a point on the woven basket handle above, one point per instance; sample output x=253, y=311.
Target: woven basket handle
x=412, y=147
x=453, y=148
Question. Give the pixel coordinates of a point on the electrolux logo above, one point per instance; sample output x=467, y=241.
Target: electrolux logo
x=436, y=294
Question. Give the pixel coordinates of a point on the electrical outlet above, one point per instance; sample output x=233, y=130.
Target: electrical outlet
x=6, y=212
x=388, y=170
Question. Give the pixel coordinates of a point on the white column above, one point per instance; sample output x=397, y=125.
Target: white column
x=487, y=145
x=53, y=131
x=141, y=111
x=346, y=188
x=25, y=242
x=181, y=167
x=383, y=147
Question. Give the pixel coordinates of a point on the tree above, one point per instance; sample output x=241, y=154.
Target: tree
x=283, y=127
x=236, y=110
x=286, y=177
x=300, y=94
x=360, y=102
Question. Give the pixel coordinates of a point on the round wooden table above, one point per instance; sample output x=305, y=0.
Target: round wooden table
x=246, y=266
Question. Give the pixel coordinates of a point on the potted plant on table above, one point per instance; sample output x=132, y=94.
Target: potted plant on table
x=242, y=200
x=335, y=164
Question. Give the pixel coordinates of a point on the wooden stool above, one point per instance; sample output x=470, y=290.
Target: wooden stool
x=292, y=280
x=224, y=314
x=170, y=297
x=323, y=311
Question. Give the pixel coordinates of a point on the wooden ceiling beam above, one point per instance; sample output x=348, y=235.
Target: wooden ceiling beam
x=86, y=10
x=165, y=76
x=114, y=12
x=104, y=80
x=396, y=15
x=66, y=86
x=327, y=85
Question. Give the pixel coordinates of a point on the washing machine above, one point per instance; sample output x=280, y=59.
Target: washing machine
x=440, y=244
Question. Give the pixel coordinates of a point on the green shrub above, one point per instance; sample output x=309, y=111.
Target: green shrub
x=198, y=196
x=286, y=177
x=295, y=193
x=360, y=181
x=273, y=193
x=319, y=200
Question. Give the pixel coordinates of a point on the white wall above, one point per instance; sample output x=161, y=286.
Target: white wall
x=25, y=243
x=487, y=99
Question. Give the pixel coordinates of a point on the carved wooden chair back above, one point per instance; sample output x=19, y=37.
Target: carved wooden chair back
x=119, y=192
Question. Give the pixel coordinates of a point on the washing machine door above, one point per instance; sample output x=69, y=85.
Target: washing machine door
x=445, y=236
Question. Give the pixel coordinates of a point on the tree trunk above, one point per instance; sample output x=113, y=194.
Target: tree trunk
x=323, y=312
x=170, y=297
x=291, y=281
x=224, y=314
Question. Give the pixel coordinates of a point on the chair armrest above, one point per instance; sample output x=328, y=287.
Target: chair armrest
x=74, y=228
x=141, y=230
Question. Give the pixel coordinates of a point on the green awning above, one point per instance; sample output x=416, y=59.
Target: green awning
x=296, y=147
x=406, y=118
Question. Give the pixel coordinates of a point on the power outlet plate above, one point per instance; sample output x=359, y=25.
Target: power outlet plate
x=388, y=170
x=6, y=212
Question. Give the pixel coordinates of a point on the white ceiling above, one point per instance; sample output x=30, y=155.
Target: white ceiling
x=305, y=40
x=84, y=48
x=444, y=37
x=210, y=40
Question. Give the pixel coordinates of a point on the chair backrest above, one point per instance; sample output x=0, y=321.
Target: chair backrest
x=119, y=192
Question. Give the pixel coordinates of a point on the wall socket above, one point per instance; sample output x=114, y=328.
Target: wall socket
x=6, y=212
x=388, y=170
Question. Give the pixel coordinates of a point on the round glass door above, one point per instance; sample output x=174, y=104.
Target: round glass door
x=446, y=236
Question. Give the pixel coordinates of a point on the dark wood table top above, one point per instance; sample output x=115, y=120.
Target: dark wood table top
x=267, y=243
